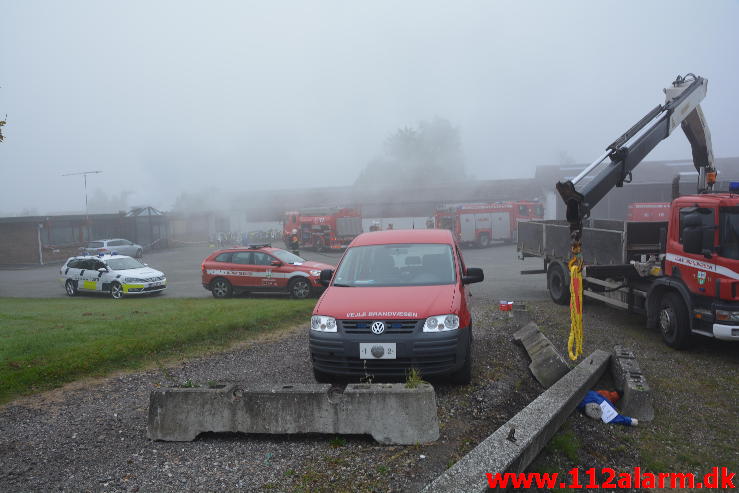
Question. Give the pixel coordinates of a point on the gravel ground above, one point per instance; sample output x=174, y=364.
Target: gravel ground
x=696, y=403
x=91, y=436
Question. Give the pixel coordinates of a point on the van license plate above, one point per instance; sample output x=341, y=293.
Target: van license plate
x=376, y=350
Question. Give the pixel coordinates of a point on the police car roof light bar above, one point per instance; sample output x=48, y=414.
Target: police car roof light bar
x=263, y=245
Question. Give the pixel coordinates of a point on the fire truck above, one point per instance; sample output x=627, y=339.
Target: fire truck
x=682, y=273
x=649, y=211
x=480, y=224
x=323, y=228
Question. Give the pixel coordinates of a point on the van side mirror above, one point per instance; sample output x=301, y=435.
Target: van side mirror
x=326, y=275
x=473, y=275
x=276, y=263
x=102, y=269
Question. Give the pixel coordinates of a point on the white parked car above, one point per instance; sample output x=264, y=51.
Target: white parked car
x=114, y=245
x=116, y=275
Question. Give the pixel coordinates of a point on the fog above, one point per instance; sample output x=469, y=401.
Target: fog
x=180, y=97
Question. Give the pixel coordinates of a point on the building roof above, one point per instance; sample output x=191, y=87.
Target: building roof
x=646, y=172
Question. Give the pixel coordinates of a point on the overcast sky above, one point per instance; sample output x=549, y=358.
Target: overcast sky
x=166, y=97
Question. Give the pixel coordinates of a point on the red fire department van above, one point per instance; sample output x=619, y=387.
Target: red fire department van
x=649, y=211
x=479, y=224
x=398, y=300
x=323, y=228
x=260, y=268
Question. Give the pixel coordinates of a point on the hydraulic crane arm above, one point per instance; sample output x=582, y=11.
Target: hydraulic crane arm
x=682, y=107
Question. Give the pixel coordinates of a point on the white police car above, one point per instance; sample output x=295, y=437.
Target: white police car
x=116, y=275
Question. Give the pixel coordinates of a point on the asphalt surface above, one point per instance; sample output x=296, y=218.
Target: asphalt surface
x=500, y=263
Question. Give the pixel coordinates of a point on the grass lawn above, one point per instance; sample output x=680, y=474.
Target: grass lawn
x=45, y=343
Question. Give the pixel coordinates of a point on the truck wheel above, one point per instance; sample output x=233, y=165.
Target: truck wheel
x=299, y=288
x=221, y=288
x=558, y=283
x=71, y=287
x=483, y=241
x=673, y=321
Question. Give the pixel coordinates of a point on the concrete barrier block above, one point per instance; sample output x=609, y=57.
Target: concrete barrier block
x=636, y=395
x=521, y=314
x=547, y=365
x=525, y=332
x=390, y=413
x=513, y=446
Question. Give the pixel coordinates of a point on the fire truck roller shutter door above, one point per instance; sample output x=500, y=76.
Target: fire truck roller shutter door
x=467, y=228
x=501, y=225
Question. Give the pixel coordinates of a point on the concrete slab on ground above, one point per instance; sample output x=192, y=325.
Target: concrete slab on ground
x=513, y=446
x=636, y=395
x=547, y=365
x=390, y=413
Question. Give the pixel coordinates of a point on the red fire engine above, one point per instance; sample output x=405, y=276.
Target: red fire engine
x=324, y=228
x=649, y=211
x=479, y=224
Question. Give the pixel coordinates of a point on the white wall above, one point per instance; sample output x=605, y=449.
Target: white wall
x=397, y=222
x=262, y=226
x=550, y=204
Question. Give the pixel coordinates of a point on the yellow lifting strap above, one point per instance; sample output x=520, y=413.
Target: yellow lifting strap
x=574, y=343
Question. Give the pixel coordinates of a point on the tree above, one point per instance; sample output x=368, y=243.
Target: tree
x=430, y=153
x=2, y=124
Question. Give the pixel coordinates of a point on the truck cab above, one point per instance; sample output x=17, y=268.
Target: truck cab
x=702, y=265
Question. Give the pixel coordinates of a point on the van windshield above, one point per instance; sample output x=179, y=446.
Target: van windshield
x=413, y=264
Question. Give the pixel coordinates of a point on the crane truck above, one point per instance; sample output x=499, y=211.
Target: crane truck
x=681, y=273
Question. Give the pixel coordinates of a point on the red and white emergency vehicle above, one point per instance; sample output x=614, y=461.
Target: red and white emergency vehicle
x=260, y=268
x=480, y=224
x=324, y=228
x=682, y=273
x=649, y=211
x=398, y=300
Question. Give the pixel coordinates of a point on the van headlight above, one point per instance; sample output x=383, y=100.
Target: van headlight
x=323, y=324
x=315, y=273
x=441, y=322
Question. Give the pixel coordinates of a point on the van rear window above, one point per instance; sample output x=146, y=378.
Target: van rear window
x=413, y=264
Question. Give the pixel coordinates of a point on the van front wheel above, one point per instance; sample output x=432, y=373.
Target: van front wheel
x=463, y=376
x=322, y=377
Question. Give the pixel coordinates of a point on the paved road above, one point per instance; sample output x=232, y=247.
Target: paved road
x=182, y=266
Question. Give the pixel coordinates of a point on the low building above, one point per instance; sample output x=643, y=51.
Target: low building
x=48, y=239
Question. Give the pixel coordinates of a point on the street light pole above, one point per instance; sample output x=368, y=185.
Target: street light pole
x=84, y=176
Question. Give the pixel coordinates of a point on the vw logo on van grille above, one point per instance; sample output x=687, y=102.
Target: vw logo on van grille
x=378, y=328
